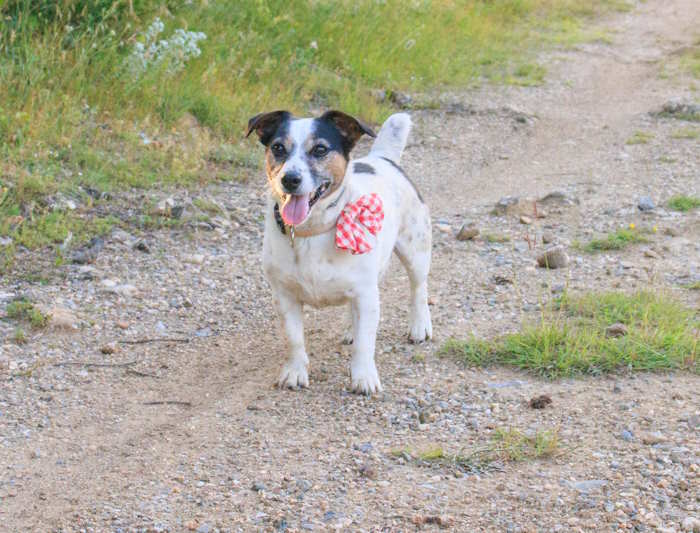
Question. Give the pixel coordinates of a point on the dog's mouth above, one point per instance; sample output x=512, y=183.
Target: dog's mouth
x=296, y=207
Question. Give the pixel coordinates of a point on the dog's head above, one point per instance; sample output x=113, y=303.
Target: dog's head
x=305, y=158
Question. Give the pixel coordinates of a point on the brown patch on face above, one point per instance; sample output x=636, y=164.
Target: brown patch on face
x=332, y=166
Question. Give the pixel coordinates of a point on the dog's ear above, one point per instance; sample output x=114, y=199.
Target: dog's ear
x=266, y=124
x=349, y=127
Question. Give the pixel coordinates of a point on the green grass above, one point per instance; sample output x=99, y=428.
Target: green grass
x=496, y=237
x=73, y=118
x=683, y=203
x=19, y=336
x=24, y=310
x=685, y=133
x=570, y=340
x=693, y=286
x=505, y=445
x=618, y=240
x=640, y=137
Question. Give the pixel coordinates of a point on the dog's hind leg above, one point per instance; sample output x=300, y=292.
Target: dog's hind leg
x=294, y=373
x=413, y=248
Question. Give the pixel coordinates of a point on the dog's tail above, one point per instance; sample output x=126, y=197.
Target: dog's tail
x=391, y=140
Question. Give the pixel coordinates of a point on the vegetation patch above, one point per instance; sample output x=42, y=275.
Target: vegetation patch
x=24, y=310
x=640, y=137
x=505, y=445
x=683, y=203
x=570, y=339
x=618, y=240
x=685, y=133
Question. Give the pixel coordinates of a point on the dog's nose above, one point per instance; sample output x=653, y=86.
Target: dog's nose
x=291, y=181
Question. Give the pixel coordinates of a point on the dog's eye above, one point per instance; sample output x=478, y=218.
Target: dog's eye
x=278, y=149
x=319, y=150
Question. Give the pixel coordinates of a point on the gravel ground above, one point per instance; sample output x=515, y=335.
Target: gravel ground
x=101, y=431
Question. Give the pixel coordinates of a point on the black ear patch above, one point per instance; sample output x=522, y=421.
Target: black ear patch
x=349, y=127
x=266, y=124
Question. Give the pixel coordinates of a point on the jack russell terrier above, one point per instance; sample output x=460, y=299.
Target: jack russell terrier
x=331, y=226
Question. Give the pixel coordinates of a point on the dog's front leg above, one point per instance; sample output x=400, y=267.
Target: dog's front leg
x=294, y=373
x=365, y=320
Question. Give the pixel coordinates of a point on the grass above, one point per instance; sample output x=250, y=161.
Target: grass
x=24, y=310
x=19, y=336
x=617, y=240
x=640, y=137
x=685, y=133
x=683, y=203
x=570, y=340
x=505, y=445
x=496, y=237
x=74, y=119
x=693, y=286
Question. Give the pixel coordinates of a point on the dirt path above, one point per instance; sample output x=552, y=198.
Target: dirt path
x=80, y=449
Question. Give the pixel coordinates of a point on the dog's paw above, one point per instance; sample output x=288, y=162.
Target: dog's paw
x=293, y=376
x=365, y=380
x=421, y=329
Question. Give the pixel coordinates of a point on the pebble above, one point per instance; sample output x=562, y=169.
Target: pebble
x=110, y=348
x=548, y=237
x=691, y=524
x=616, y=330
x=525, y=219
x=646, y=204
x=554, y=257
x=467, y=232
x=653, y=438
x=589, y=485
x=62, y=318
x=627, y=435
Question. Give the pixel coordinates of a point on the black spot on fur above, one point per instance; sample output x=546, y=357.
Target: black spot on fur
x=278, y=219
x=397, y=167
x=328, y=131
x=363, y=168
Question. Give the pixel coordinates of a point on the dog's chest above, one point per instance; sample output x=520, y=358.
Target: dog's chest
x=313, y=270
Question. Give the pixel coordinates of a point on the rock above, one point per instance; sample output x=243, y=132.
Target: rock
x=141, y=246
x=109, y=348
x=540, y=402
x=548, y=237
x=557, y=198
x=62, y=319
x=121, y=236
x=680, y=110
x=694, y=421
x=194, y=259
x=514, y=206
x=692, y=524
x=524, y=219
x=617, y=389
x=88, y=254
x=5, y=241
x=368, y=471
x=645, y=203
x=671, y=231
x=126, y=289
x=626, y=435
x=589, y=485
x=442, y=226
x=402, y=100
x=651, y=254
x=616, y=330
x=554, y=257
x=258, y=486
x=653, y=438
x=204, y=528
x=168, y=208
x=467, y=232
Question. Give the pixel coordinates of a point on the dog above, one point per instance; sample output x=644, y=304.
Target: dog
x=331, y=226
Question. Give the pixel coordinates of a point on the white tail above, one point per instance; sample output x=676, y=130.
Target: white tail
x=391, y=140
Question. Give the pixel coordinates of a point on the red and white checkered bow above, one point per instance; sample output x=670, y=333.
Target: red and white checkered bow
x=357, y=222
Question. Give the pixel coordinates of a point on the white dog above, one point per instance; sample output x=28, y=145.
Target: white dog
x=331, y=226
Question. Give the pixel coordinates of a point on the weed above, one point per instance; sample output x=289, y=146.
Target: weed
x=640, y=137
x=615, y=241
x=685, y=133
x=693, y=286
x=19, y=336
x=496, y=237
x=25, y=310
x=683, y=203
x=570, y=340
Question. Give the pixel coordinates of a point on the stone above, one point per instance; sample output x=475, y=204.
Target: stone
x=557, y=198
x=653, y=438
x=691, y=524
x=514, y=206
x=553, y=257
x=645, y=203
x=402, y=100
x=88, y=254
x=109, y=348
x=589, y=485
x=467, y=232
x=194, y=259
x=626, y=435
x=443, y=227
x=616, y=330
x=61, y=318
x=524, y=219
x=258, y=486
x=548, y=237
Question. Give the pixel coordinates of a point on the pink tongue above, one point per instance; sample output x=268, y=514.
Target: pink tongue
x=296, y=209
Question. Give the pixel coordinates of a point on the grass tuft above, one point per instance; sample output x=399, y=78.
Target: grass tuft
x=685, y=133
x=683, y=203
x=26, y=311
x=640, y=137
x=615, y=241
x=662, y=334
